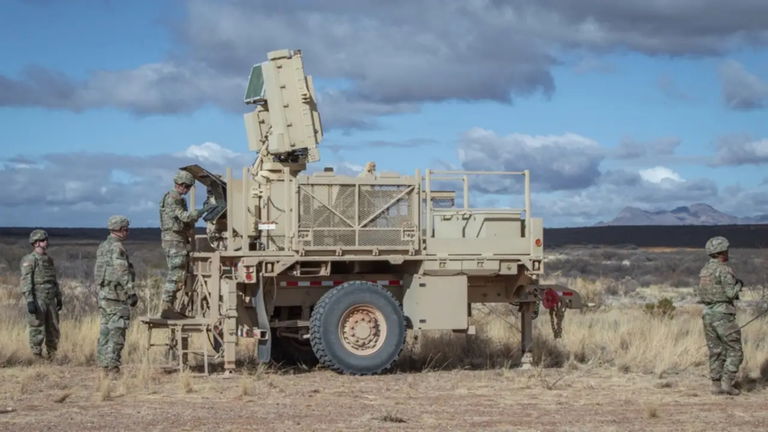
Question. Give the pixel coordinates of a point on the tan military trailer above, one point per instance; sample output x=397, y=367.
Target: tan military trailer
x=337, y=268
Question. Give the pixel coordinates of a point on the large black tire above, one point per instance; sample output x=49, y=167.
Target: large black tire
x=293, y=352
x=357, y=328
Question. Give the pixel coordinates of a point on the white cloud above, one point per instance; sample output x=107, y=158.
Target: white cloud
x=659, y=174
x=210, y=152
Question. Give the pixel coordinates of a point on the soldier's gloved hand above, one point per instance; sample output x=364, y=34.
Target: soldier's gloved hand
x=59, y=304
x=32, y=307
x=133, y=300
x=740, y=283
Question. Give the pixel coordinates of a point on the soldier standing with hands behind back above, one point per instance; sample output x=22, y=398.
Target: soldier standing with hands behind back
x=115, y=277
x=177, y=226
x=718, y=288
x=43, y=296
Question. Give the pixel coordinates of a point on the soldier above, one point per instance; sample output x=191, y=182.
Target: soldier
x=718, y=288
x=177, y=225
x=114, y=276
x=43, y=296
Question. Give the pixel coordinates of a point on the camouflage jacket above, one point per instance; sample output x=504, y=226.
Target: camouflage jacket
x=176, y=222
x=717, y=287
x=38, y=277
x=113, y=271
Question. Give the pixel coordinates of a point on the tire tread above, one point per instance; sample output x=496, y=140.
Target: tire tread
x=315, y=326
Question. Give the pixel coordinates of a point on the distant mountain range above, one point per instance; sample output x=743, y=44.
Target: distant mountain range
x=695, y=214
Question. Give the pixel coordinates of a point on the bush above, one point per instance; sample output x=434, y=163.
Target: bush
x=664, y=308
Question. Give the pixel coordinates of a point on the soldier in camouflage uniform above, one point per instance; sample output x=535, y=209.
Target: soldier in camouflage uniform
x=177, y=227
x=114, y=277
x=43, y=296
x=718, y=288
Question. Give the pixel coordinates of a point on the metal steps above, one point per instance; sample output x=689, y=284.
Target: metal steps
x=179, y=345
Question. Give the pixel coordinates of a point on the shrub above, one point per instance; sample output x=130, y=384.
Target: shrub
x=664, y=308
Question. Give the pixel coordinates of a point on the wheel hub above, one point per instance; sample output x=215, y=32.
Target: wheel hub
x=362, y=329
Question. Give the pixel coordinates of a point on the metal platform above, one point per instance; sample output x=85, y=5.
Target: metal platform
x=178, y=347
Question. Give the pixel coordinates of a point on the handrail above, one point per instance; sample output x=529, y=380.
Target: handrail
x=461, y=175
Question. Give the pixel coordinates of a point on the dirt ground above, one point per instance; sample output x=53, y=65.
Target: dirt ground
x=62, y=398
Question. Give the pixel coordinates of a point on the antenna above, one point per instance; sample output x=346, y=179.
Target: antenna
x=285, y=123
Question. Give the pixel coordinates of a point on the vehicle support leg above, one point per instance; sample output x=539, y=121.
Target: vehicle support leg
x=526, y=334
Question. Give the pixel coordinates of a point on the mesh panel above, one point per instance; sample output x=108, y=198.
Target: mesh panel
x=382, y=237
x=398, y=215
x=318, y=204
x=305, y=209
x=334, y=238
x=374, y=197
x=344, y=201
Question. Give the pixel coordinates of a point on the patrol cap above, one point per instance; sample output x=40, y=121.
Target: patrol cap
x=37, y=235
x=183, y=177
x=716, y=245
x=117, y=222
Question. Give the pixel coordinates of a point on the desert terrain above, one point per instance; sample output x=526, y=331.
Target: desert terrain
x=624, y=363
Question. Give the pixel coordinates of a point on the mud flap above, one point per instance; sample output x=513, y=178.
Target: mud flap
x=264, y=348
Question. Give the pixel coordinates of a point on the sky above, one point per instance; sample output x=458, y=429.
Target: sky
x=653, y=104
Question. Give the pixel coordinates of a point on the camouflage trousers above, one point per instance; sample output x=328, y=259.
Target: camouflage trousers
x=114, y=321
x=177, y=258
x=724, y=342
x=44, y=326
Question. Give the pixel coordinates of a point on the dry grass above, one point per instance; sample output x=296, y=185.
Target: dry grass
x=104, y=389
x=391, y=417
x=77, y=345
x=652, y=411
x=246, y=387
x=615, y=334
x=62, y=397
x=143, y=377
x=185, y=381
x=623, y=338
x=620, y=337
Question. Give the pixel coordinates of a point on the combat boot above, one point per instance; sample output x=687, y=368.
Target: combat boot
x=729, y=389
x=716, y=389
